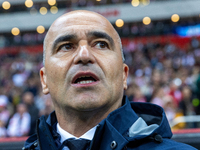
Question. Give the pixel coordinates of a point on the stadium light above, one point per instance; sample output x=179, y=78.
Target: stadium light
x=135, y=3
x=175, y=18
x=43, y=10
x=28, y=3
x=51, y=2
x=40, y=29
x=6, y=5
x=15, y=31
x=54, y=9
x=119, y=23
x=146, y=20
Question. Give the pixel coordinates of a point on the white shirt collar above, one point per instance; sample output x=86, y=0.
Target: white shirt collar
x=66, y=135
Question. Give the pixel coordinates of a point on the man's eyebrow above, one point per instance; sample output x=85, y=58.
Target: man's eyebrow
x=63, y=38
x=99, y=34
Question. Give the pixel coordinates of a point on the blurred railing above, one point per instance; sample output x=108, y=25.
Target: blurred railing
x=188, y=136
x=185, y=119
x=13, y=143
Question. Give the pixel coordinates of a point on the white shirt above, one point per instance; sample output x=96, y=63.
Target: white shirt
x=66, y=135
x=17, y=126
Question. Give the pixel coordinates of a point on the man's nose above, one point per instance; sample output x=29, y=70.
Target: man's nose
x=84, y=55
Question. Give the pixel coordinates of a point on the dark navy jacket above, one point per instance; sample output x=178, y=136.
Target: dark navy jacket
x=134, y=126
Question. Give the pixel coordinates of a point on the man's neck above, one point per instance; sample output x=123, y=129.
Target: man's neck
x=78, y=123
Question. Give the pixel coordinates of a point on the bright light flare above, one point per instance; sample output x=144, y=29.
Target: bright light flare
x=40, y=29
x=15, y=31
x=54, y=9
x=135, y=3
x=28, y=3
x=43, y=10
x=175, y=18
x=119, y=23
x=6, y=5
x=146, y=20
x=51, y=2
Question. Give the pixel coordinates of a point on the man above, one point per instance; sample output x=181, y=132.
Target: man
x=85, y=75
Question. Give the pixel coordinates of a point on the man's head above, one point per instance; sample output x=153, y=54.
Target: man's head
x=84, y=69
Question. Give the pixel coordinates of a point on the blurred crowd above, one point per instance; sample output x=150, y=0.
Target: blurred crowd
x=166, y=75
x=21, y=98
x=160, y=73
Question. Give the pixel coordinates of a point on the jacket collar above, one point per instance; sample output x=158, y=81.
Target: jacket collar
x=119, y=125
x=115, y=128
x=112, y=129
x=153, y=114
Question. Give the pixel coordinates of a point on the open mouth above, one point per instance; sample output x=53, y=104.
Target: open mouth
x=84, y=78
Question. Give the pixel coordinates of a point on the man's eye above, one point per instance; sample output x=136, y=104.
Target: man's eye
x=101, y=45
x=67, y=47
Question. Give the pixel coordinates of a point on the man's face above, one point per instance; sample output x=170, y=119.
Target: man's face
x=83, y=69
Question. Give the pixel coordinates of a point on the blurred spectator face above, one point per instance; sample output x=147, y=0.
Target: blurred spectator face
x=2, y=108
x=1, y=124
x=21, y=109
x=138, y=93
x=173, y=86
x=186, y=93
x=160, y=92
x=3, y=103
x=168, y=101
x=28, y=98
x=156, y=77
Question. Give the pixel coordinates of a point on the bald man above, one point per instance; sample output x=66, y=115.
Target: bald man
x=85, y=74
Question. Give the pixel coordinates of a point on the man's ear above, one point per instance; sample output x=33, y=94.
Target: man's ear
x=125, y=75
x=43, y=81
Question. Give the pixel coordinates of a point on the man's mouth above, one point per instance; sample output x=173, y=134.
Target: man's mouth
x=84, y=78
